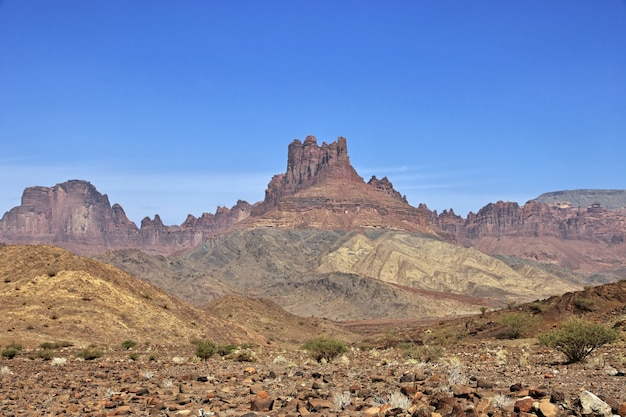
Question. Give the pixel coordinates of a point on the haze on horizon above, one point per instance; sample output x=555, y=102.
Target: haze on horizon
x=180, y=109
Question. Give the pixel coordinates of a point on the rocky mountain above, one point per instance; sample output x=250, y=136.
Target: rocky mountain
x=587, y=239
x=76, y=216
x=49, y=294
x=319, y=189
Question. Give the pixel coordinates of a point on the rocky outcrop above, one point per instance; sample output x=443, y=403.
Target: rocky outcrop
x=73, y=211
x=386, y=186
x=509, y=219
x=309, y=164
x=76, y=216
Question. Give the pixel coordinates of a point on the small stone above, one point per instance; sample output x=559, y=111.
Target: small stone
x=262, y=402
x=592, y=405
x=547, y=409
x=483, y=383
x=318, y=404
x=524, y=405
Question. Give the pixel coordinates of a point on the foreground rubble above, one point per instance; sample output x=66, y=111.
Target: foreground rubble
x=483, y=380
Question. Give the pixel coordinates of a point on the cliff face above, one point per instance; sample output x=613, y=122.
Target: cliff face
x=309, y=164
x=75, y=215
x=72, y=211
x=507, y=219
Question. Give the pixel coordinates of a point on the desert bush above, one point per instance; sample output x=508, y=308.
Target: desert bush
x=58, y=361
x=516, y=325
x=242, y=355
x=133, y=356
x=341, y=400
x=127, y=344
x=578, y=338
x=224, y=350
x=89, y=353
x=9, y=353
x=424, y=353
x=55, y=345
x=584, y=304
x=11, y=350
x=45, y=354
x=205, y=349
x=14, y=345
x=322, y=348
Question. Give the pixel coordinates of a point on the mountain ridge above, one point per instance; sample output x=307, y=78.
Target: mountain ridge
x=321, y=190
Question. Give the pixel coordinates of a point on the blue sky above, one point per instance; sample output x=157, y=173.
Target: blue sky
x=180, y=107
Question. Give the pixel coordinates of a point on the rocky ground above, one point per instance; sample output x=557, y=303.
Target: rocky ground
x=490, y=378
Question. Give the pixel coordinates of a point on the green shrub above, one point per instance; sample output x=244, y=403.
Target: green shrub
x=127, y=344
x=89, y=353
x=516, y=325
x=14, y=345
x=10, y=352
x=224, y=350
x=48, y=346
x=45, y=354
x=322, y=348
x=205, y=349
x=133, y=356
x=578, y=338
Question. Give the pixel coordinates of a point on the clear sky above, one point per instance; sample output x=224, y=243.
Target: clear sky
x=179, y=107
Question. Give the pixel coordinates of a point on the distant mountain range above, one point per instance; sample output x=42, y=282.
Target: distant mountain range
x=324, y=242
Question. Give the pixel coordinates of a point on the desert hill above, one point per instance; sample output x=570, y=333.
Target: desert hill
x=357, y=275
x=273, y=322
x=48, y=293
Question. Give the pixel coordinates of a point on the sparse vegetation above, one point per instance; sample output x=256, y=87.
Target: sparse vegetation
x=11, y=350
x=58, y=361
x=89, y=353
x=204, y=349
x=578, y=338
x=584, y=304
x=536, y=307
x=54, y=345
x=443, y=336
x=127, y=344
x=45, y=354
x=516, y=325
x=324, y=349
x=224, y=350
x=423, y=353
